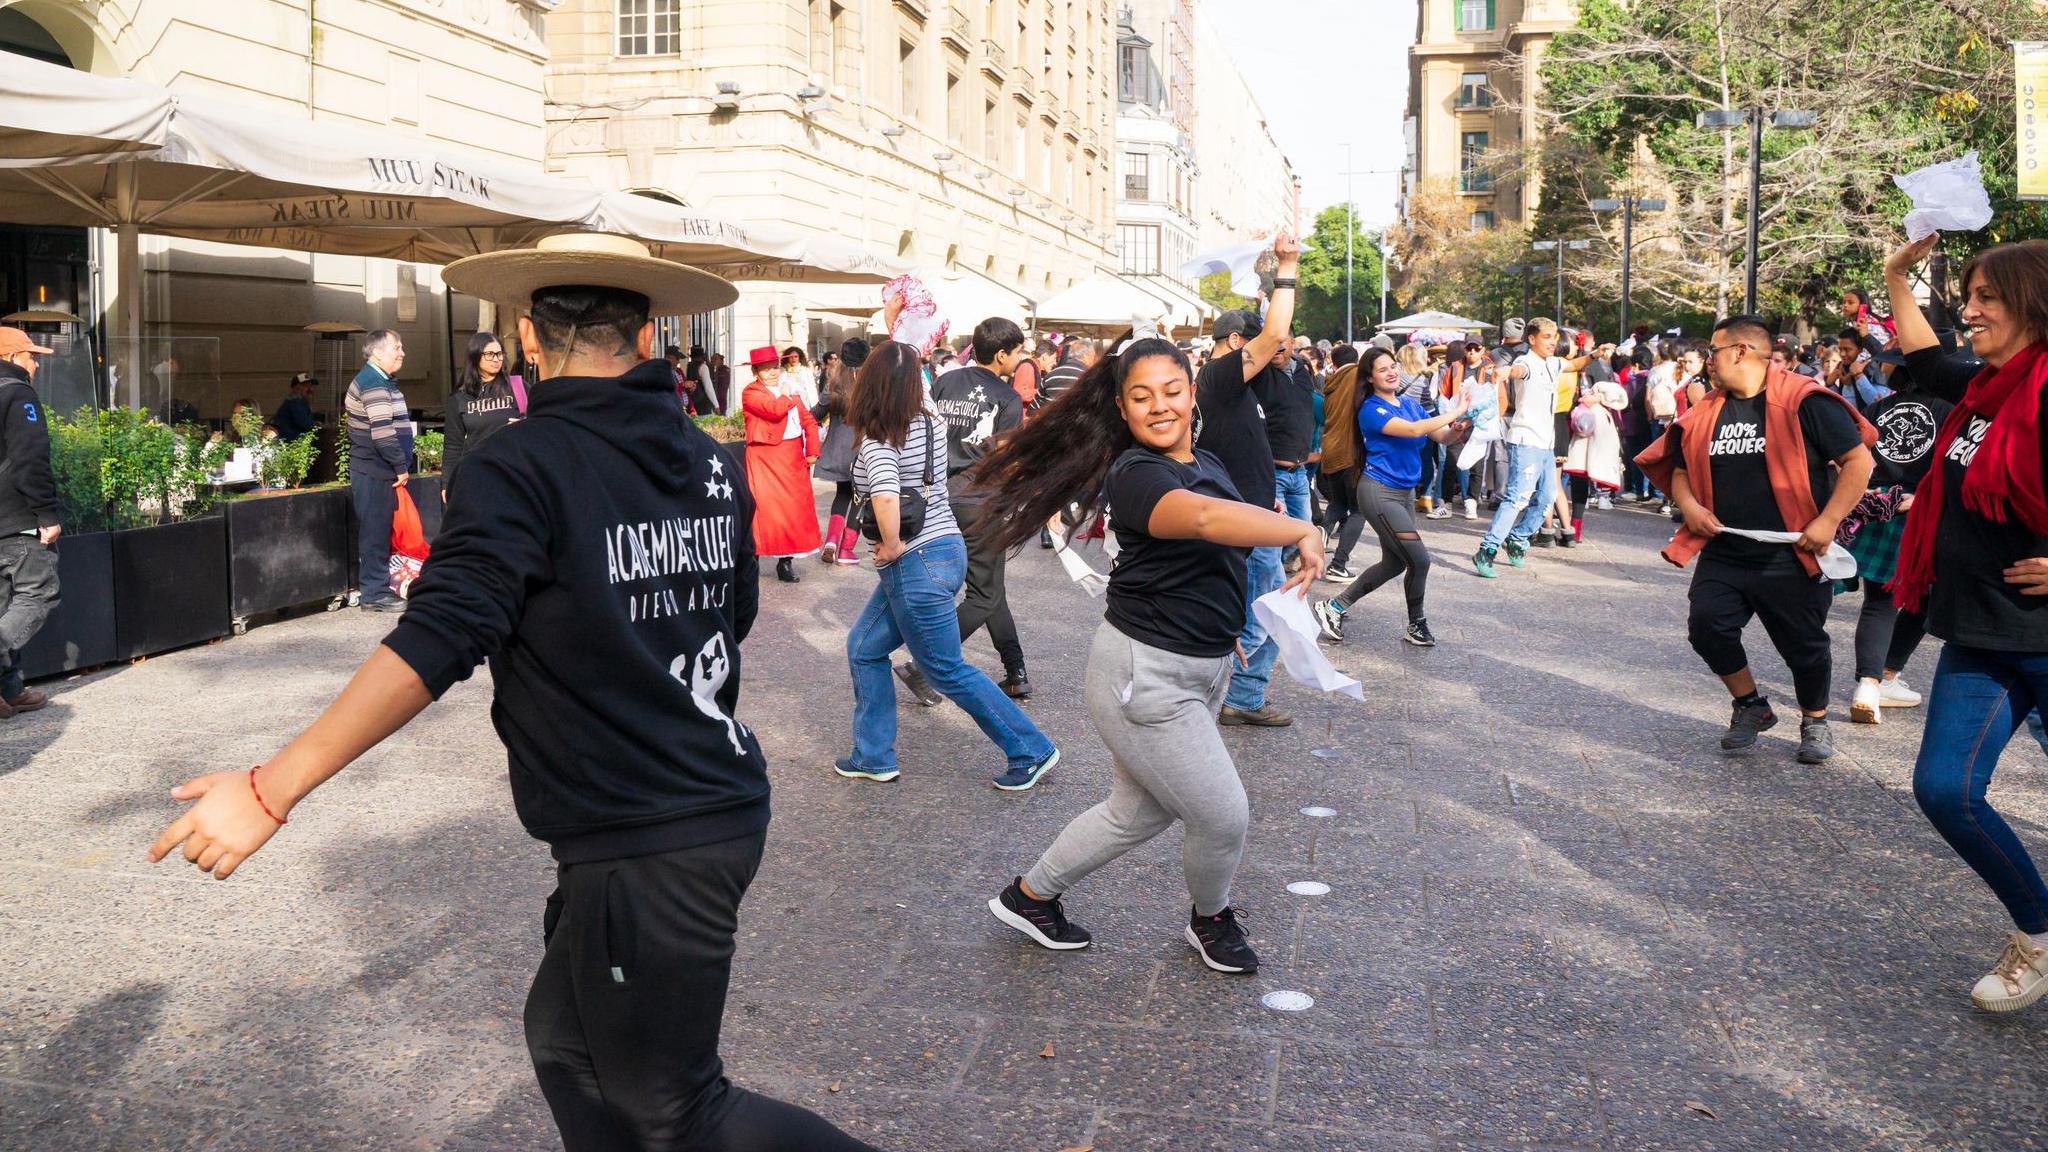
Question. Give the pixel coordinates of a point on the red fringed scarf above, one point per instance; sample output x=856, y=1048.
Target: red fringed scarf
x=2004, y=478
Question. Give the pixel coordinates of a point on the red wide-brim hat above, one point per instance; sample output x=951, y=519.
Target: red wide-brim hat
x=761, y=358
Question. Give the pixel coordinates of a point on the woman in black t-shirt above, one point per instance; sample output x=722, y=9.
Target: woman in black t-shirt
x=1124, y=435
x=484, y=401
x=1972, y=556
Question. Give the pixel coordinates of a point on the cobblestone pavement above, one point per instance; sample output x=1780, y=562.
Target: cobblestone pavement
x=1556, y=917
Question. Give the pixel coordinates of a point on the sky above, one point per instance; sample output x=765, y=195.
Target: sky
x=1327, y=73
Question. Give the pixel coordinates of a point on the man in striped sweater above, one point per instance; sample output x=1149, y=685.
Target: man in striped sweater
x=379, y=463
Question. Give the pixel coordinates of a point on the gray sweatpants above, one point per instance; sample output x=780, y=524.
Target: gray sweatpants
x=1156, y=710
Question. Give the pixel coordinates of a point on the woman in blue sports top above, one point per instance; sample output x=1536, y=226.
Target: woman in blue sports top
x=1396, y=430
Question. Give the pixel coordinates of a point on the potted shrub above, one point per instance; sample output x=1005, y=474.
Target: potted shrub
x=170, y=561
x=80, y=630
x=287, y=544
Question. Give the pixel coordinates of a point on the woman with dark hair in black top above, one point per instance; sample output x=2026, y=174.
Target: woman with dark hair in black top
x=484, y=400
x=1123, y=435
x=1973, y=559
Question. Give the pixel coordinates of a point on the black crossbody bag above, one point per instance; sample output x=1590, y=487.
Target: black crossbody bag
x=910, y=502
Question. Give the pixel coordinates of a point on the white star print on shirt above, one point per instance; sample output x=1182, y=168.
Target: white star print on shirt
x=711, y=487
x=717, y=467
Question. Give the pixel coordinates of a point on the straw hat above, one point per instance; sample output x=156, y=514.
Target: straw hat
x=593, y=258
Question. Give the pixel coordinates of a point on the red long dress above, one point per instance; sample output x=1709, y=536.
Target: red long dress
x=779, y=474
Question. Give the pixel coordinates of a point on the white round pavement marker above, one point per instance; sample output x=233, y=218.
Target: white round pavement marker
x=1326, y=753
x=1309, y=888
x=1319, y=812
x=1288, y=1001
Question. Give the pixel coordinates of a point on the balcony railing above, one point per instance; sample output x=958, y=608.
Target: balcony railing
x=1470, y=101
x=992, y=60
x=957, y=30
x=1137, y=188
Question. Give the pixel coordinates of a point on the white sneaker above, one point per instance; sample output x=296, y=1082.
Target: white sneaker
x=1440, y=512
x=1471, y=509
x=1331, y=621
x=1338, y=574
x=1606, y=504
x=2018, y=979
x=1865, y=704
x=1893, y=693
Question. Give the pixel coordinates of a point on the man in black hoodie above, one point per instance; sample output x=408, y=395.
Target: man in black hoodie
x=600, y=555
x=29, y=521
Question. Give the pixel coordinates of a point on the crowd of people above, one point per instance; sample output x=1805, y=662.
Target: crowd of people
x=602, y=554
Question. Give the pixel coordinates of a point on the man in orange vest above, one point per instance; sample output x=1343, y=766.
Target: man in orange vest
x=1755, y=455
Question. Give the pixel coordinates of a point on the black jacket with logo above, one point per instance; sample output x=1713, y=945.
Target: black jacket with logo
x=600, y=554
x=979, y=408
x=28, y=489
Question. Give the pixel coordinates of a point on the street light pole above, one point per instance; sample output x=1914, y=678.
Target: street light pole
x=1629, y=206
x=1726, y=119
x=1561, y=244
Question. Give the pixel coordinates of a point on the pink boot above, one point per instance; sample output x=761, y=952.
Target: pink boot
x=849, y=547
x=833, y=532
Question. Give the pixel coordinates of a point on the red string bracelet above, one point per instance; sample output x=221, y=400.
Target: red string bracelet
x=259, y=797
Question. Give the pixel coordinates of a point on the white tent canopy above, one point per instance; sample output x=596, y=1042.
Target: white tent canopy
x=211, y=170
x=1105, y=303
x=1434, y=319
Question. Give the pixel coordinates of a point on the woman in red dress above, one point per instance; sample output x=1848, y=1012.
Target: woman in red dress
x=782, y=443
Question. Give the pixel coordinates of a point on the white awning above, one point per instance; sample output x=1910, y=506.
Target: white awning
x=1106, y=305
x=92, y=117
x=964, y=298
x=1434, y=319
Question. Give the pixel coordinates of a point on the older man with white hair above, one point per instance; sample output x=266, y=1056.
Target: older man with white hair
x=379, y=463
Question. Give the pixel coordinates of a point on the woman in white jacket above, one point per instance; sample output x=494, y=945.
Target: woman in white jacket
x=1593, y=460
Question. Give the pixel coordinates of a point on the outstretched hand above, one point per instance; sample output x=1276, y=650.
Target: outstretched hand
x=224, y=828
x=1908, y=256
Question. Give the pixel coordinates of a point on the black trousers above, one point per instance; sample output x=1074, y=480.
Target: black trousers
x=28, y=584
x=1885, y=636
x=376, y=501
x=1793, y=607
x=1346, y=520
x=623, y=1018
x=986, y=601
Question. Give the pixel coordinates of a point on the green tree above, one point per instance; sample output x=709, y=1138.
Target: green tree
x=1215, y=289
x=1895, y=84
x=1319, y=308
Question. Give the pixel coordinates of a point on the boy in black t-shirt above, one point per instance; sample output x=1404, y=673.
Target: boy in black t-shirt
x=1752, y=480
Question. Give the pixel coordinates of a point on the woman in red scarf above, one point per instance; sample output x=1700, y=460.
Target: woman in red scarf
x=782, y=443
x=1971, y=561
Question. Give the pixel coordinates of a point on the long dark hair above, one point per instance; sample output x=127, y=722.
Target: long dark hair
x=472, y=381
x=1062, y=455
x=1366, y=364
x=888, y=394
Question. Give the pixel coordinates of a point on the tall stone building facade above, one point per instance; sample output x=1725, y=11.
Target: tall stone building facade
x=1472, y=83
x=971, y=140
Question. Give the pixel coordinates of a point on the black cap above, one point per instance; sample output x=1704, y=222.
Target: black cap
x=1238, y=322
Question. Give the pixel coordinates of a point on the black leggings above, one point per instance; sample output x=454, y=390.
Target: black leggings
x=623, y=1018
x=1885, y=636
x=1793, y=607
x=1344, y=520
x=1392, y=512
x=842, y=499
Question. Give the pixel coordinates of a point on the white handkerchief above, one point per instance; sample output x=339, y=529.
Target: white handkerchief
x=1835, y=563
x=1285, y=617
x=1947, y=197
x=1080, y=572
x=1240, y=260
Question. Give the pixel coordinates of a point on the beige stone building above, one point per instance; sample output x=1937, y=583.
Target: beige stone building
x=467, y=73
x=971, y=140
x=1472, y=76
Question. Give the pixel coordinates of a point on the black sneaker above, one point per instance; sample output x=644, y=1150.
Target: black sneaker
x=1744, y=723
x=1418, y=634
x=913, y=679
x=1221, y=942
x=1042, y=920
x=1330, y=620
x=1816, y=743
x=1016, y=685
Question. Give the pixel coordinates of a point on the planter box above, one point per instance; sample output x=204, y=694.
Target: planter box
x=288, y=548
x=170, y=586
x=80, y=633
x=426, y=492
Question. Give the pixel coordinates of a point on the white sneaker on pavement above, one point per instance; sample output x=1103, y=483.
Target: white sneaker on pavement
x=2018, y=979
x=1606, y=504
x=1440, y=512
x=1893, y=693
x=1864, y=706
x=1471, y=509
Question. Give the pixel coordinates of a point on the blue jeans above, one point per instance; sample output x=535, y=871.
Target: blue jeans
x=376, y=502
x=1432, y=487
x=913, y=607
x=1262, y=574
x=1532, y=489
x=1291, y=489
x=1979, y=699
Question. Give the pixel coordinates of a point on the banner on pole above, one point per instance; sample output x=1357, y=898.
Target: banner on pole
x=2030, y=78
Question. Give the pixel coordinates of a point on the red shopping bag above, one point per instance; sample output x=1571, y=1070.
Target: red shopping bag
x=408, y=544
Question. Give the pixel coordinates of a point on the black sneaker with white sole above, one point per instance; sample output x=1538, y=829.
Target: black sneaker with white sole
x=913, y=679
x=1042, y=920
x=1418, y=634
x=1221, y=942
x=1330, y=619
